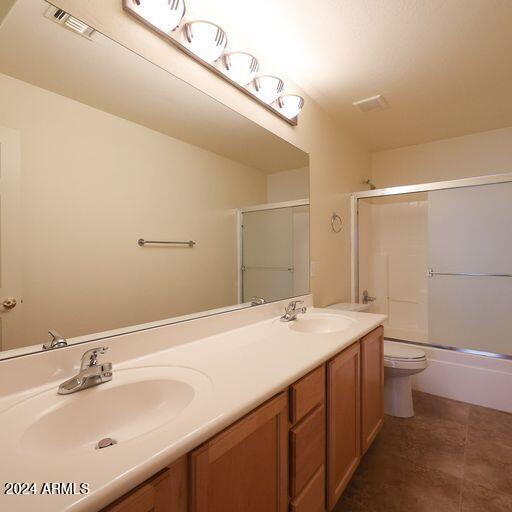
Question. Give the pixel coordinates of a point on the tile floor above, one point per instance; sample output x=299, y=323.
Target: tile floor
x=451, y=457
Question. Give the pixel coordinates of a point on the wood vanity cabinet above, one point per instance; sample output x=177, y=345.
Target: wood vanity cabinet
x=372, y=386
x=343, y=421
x=297, y=452
x=245, y=467
x=307, y=443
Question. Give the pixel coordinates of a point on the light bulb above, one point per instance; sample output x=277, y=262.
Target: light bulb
x=166, y=15
x=268, y=88
x=205, y=39
x=241, y=67
x=290, y=105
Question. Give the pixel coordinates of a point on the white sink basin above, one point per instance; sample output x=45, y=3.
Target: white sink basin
x=318, y=323
x=136, y=402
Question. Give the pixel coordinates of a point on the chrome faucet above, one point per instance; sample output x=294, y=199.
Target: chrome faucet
x=91, y=373
x=367, y=298
x=257, y=301
x=57, y=341
x=292, y=311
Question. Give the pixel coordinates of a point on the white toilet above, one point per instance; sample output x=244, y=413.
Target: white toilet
x=349, y=306
x=400, y=363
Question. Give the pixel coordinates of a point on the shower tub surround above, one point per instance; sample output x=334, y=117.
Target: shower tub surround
x=234, y=362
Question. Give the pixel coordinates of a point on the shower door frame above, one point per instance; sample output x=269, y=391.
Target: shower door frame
x=491, y=179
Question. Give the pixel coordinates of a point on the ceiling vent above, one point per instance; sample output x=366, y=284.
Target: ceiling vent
x=373, y=103
x=67, y=21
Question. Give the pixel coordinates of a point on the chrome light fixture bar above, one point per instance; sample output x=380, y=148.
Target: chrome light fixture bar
x=207, y=43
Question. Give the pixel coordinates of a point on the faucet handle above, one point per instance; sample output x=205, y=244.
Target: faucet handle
x=56, y=342
x=292, y=305
x=367, y=298
x=90, y=357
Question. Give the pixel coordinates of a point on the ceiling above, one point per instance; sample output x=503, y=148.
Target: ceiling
x=105, y=75
x=445, y=66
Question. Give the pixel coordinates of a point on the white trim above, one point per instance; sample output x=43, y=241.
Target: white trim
x=274, y=206
x=354, y=250
x=239, y=241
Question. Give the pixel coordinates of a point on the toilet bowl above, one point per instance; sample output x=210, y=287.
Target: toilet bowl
x=400, y=363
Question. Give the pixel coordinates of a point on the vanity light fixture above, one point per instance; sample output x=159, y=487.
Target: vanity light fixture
x=206, y=40
x=241, y=67
x=67, y=21
x=268, y=88
x=166, y=15
x=207, y=43
x=77, y=25
x=290, y=105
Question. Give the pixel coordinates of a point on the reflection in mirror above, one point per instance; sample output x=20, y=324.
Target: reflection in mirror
x=101, y=148
x=275, y=251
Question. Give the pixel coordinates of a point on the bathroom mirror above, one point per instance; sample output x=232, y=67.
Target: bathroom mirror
x=128, y=197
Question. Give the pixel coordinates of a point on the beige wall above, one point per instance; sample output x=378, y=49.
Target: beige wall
x=5, y=7
x=92, y=184
x=337, y=161
x=459, y=157
x=288, y=185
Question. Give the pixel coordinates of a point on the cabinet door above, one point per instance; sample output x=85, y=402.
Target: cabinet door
x=372, y=386
x=343, y=421
x=245, y=468
x=165, y=492
x=312, y=498
x=306, y=394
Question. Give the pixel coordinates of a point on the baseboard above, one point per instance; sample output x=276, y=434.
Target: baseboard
x=468, y=378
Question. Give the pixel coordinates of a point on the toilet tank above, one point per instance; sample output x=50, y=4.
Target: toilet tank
x=349, y=306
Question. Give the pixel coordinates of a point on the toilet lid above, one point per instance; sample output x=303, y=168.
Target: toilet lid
x=398, y=351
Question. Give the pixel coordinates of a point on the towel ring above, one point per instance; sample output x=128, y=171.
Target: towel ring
x=336, y=223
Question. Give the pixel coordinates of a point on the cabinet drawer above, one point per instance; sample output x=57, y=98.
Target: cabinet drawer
x=307, y=393
x=312, y=498
x=307, y=449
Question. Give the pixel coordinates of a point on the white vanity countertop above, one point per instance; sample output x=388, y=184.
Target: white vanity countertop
x=243, y=367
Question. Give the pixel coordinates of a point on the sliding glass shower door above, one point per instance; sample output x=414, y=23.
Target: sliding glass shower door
x=470, y=255
x=439, y=263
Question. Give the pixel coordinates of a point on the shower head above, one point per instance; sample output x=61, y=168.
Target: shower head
x=369, y=183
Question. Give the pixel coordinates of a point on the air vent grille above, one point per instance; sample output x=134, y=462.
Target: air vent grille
x=67, y=21
x=59, y=14
x=373, y=103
